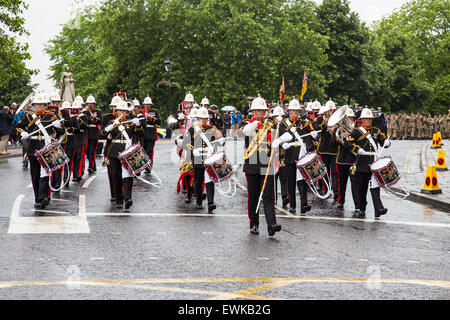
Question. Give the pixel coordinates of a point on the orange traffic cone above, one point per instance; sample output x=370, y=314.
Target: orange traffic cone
x=435, y=142
x=439, y=138
x=431, y=183
x=440, y=162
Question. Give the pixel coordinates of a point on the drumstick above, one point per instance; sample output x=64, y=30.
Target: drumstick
x=381, y=151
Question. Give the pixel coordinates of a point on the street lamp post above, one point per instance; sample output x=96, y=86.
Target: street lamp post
x=168, y=66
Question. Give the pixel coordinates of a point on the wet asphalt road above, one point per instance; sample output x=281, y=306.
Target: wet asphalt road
x=162, y=248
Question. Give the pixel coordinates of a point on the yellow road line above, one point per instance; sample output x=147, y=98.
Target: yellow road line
x=275, y=281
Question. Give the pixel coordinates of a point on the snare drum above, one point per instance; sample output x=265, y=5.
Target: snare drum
x=52, y=156
x=218, y=167
x=311, y=167
x=385, y=171
x=134, y=159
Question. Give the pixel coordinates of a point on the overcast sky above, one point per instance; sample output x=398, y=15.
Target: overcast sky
x=44, y=20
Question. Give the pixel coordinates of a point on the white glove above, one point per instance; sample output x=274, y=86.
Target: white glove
x=136, y=121
x=109, y=128
x=181, y=116
x=179, y=142
x=57, y=124
x=276, y=143
x=363, y=152
x=221, y=141
x=196, y=152
x=314, y=134
x=286, y=146
x=24, y=135
x=387, y=143
x=285, y=137
x=250, y=128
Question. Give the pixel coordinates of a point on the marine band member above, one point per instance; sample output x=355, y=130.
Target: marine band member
x=258, y=149
x=29, y=123
x=365, y=141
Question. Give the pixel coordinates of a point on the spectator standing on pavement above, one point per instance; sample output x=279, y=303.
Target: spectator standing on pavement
x=6, y=119
x=226, y=124
x=236, y=118
x=248, y=106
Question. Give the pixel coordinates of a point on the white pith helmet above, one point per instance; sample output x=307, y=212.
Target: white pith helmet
x=203, y=113
x=294, y=105
x=90, y=99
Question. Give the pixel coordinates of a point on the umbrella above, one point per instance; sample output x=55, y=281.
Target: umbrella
x=228, y=108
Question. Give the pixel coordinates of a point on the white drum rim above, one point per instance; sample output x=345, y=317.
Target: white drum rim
x=376, y=164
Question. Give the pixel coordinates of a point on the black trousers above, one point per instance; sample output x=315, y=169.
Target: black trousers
x=91, y=153
x=292, y=184
x=148, y=146
x=111, y=182
x=77, y=169
x=187, y=184
x=40, y=185
x=70, y=151
x=199, y=176
x=123, y=188
x=330, y=163
x=362, y=181
x=282, y=176
x=343, y=171
x=254, y=186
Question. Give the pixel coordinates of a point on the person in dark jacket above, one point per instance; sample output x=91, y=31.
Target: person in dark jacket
x=152, y=120
x=6, y=119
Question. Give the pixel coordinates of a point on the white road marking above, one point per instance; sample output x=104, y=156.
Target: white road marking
x=154, y=258
x=310, y=259
x=208, y=258
x=97, y=258
x=263, y=258
x=363, y=260
x=412, y=261
x=161, y=233
x=88, y=181
x=142, y=214
x=66, y=191
x=35, y=225
x=207, y=233
x=50, y=211
x=64, y=200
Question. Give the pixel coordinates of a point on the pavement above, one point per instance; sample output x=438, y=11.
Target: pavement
x=82, y=247
x=412, y=158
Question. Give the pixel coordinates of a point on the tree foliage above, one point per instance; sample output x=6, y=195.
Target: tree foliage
x=14, y=76
x=226, y=50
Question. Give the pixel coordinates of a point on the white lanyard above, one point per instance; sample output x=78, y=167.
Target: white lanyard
x=38, y=122
x=204, y=138
x=296, y=135
x=370, y=138
x=125, y=134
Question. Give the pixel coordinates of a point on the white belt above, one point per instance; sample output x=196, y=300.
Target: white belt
x=150, y=126
x=36, y=138
x=81, y=130
x=70, y=134
x=119, y=141
x=92, y=126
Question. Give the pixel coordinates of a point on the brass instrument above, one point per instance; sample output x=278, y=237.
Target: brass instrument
x=340, y=120
x=258, y=138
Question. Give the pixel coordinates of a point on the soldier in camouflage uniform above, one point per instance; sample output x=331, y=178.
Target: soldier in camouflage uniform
x=413, y=126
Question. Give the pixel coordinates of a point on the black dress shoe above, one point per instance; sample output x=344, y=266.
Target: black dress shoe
x=305, y=209
x=128, y=203
x=113, y=199
x=274, y=228
x=75, y=179
x=254, y=230
x=292, y=210
x=362, y=214
x=204, y=196
x=90, y=171
x=198, y=206
x=285, y=202
x=187, y=200
x=380, y=212
x=45, y=203
x=356, y=212
x=211, y=207
x=340, y=206
x=37, y=205
x=119, y=206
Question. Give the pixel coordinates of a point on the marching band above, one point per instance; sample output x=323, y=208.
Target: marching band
x=317, y=148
